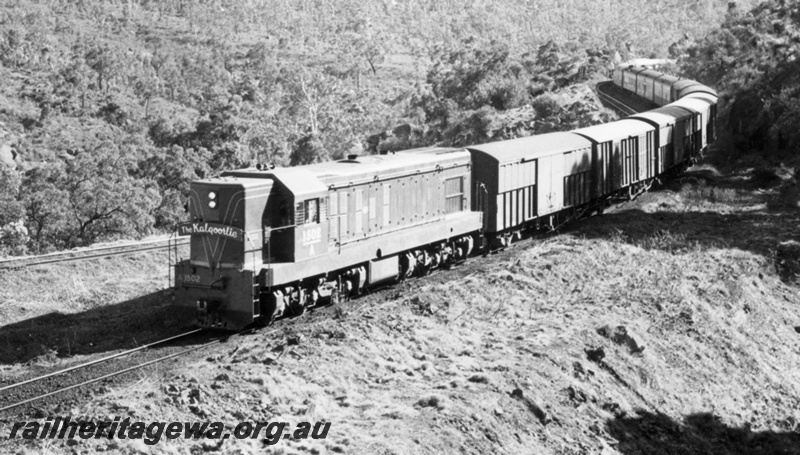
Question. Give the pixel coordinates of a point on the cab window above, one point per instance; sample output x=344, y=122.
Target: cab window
x=311, y=211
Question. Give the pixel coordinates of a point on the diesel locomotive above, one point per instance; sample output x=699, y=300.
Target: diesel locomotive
x=268, y=242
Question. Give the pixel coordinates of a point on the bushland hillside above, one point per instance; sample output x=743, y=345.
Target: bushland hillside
x=752, y=59
x=109, y=108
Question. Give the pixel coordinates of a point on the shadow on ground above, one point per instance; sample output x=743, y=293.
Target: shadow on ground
x=106, y=328
x=670, y=231
x=703, y=433
x=745, y=181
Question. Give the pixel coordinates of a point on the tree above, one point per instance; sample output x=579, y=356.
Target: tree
x=466, y=72
x=71, y=84
x=45, y=200
x=471, y=76
x=752, y=60
x=313, y=93
x=13, y=234
x=105, y=199
x=172, y=169
x=94, y=195
x=308, y=150
x=362, y=41
x=10, y=208
x=106, y=63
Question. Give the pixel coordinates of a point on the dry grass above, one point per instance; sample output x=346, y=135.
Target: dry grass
x=701, y=194
x=84, y=307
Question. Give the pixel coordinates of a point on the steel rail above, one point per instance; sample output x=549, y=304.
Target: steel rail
x=95, y=362
x=67, y=256
x=129, y=369
x=615, y=103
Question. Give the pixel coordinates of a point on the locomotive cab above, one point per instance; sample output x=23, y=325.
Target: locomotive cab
x=243, y=225
x=295, y=219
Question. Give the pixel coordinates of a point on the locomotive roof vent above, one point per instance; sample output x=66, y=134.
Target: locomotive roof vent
x=362, y=159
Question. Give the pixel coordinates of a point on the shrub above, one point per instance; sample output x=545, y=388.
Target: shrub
x=507, y=94
x=14, y=239
x=474, y=128
x=764, y=177
x=308, y=150
x=546, y=105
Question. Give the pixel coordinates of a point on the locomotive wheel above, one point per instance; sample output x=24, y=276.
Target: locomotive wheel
x=263, y=321
x=335, y=296
x=268, y=315
x=297, y=308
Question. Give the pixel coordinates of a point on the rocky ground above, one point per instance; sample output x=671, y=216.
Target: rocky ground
x=662, y=327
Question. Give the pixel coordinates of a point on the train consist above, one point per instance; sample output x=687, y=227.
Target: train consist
x=268, y=242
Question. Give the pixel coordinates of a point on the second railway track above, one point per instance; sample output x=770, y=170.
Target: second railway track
x=56, y=384
x=606, y=92
x=90, y=253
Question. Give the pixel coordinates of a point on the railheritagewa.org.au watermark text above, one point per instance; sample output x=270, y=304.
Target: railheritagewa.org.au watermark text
x=153, y=432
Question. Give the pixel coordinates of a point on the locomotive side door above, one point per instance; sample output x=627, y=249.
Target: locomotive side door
x=311, y=236
x=277, y=227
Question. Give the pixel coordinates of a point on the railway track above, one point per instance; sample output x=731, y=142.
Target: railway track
x=91, y=253
x=603, y=90
x=48, y=385
x=51, y=384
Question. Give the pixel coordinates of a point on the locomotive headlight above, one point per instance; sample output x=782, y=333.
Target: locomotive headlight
x=212, y=195
x=212, y=204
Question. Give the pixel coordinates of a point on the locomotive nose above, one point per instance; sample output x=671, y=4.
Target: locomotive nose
x=209, y=315
x=208, y=306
